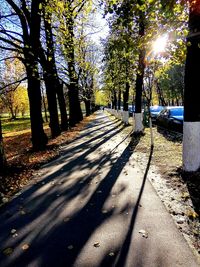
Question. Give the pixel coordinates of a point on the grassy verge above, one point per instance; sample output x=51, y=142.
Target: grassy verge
x=22, y=161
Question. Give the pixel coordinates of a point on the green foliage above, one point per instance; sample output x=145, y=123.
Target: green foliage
x=16, y=125
x=172, y=83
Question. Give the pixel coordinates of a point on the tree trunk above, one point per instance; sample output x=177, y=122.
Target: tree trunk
x=126, y=96
x=191, y=128
x=52, y=70
x=62, y=106
x=139, y=78
x=75, y=112
x=39, y=138
x=87, y=107
x=44, y=106
x=138, y=96
x=52, y=104
x=119, y=100
x=161, y=99
x=2, y=153
x=115, y=99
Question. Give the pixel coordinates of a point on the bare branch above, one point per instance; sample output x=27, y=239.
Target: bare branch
x=16, y=82
x=26, y=11
x=79, y=9
x=3, y=59
x=8, y=15
x=10, y=43
x=21, y=17
x=11, y=37
x=9, y=31
x=10, y=49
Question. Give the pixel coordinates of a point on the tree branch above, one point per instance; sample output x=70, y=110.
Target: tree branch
x=9, y=31
x=79, y=10
x=19, y=81
x=7, y=16
x=10, y=49
x=26, y=11
x=12, y=37
x=3, y=59
x=10, y=43
x=22, y=19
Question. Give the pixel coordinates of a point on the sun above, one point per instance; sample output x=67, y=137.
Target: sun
x=159, y=44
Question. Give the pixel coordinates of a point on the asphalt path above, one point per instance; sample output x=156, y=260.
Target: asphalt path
x=92, y=207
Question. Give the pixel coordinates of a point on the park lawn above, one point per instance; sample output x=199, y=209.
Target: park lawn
x=14, y=127
x=22, y=161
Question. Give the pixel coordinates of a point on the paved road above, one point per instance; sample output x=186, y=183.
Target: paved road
x=92, y=207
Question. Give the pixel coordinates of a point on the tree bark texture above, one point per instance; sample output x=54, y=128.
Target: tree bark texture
x=52, y=70
x=192, y=67
x=2, y=153
x=52, y=104
x=126, y=97
x=75, y=112
x=119, y=100
x=39, y=138
x=191, y=125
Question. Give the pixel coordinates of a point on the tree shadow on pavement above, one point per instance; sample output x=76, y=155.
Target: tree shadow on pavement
x=37, y=214
x=80, y=227
x=122, y=256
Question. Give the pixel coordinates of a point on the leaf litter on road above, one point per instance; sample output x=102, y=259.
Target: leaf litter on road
x=144, y=233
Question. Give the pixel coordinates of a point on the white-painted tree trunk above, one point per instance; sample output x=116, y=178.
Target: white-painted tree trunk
x=125, y=117
x=191, y=146
x=138, y=123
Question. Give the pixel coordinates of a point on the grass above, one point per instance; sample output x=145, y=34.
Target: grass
x=15, y=125
x=20, y=124
x=22, y=161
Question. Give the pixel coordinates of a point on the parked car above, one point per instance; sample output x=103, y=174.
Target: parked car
x=171, y=118
x=155, y=110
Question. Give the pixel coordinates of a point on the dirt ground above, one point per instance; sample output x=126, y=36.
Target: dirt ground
x=22, y=161
x=178, y=191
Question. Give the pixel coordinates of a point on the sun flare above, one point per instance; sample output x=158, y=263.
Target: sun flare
x=159, y=44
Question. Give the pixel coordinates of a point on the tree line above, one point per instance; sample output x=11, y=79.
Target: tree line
x=134, y=71
x=133, y=26
x=50, y=40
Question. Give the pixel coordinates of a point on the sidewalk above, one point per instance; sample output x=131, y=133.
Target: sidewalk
x=92, y=207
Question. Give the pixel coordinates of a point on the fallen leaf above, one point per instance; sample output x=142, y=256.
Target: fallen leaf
x=144, y=233
x=185, y=195
x=97, y=244
x=13, y=231
x=180, y=220
x=22, y=212
x=7, y=251
x=192, y=214
x=104, y=211
x=15, y=235
x=111, y=254
x=5, y=200
x=25, y=246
